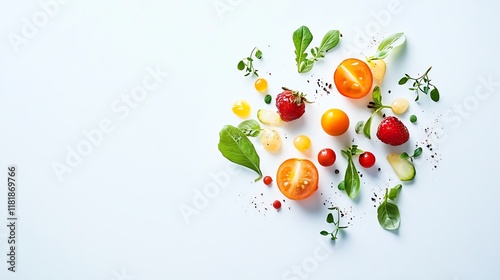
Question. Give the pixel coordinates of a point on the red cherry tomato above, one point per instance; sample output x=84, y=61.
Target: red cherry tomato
x=367, y=159
x=326, y=157
x=277, y=204
x=268, y=180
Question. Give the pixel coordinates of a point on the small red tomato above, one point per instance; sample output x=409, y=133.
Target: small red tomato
x=367, y=159
x=277, y=204
x=326, y=157
x=268, y=180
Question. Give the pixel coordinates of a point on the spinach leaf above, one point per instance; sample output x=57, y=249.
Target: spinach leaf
x=236, y=147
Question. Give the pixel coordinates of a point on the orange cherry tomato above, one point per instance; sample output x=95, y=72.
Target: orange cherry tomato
x=335, y=122
x=353, y=78
x=297, y=178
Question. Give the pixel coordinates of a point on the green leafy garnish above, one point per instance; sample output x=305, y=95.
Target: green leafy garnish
x=351, y=178
x=413, y=119
x=236, y=147
x=341, y=186
x=250, y=128
x=359, y=127
x=422, y=84
x=268, y=98
x=388, y=44
x=331, y=220
x=418, y=151
x=388, y=212
x=376, y=106
x=247, y=63
x=302, y=38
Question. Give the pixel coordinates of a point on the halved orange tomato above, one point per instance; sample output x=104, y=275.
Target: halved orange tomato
x=297, y=178
x=353, y=78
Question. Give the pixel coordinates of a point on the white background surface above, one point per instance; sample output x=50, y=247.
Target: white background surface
x=117, y=215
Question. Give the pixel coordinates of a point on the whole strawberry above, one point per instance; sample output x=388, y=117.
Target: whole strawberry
x=392, y=131
x=291, y=104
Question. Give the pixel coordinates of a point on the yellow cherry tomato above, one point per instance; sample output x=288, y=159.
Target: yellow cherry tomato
x=241, y=108
x=261, y=85
x=302, y=143
x=335, y=122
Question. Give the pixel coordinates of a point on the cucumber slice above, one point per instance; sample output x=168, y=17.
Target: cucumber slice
x=403, y=167
x=269, y=117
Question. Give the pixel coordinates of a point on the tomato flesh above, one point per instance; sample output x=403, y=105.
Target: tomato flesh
x=353, y=78
x=297, y=178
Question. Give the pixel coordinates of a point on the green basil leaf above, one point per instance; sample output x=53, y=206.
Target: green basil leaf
x=250, y=128
x=367, y=127
x=302, y=37
x=341, y=187
x=404, y=155
x=377, y=96
x=359, y=127
x=237, y=148
x=393, y=193
x=351, y=179
x=435, y=94
x=418, y=152
x=388, y=215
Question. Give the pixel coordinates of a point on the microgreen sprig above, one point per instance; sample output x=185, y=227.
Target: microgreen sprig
x=247, y=63
x=376, y=106
x=387, y=45
x=416, y=153
x=422, y=84
x=388, y=212
x=331, y=220
x=302, y=38
x=351, y=183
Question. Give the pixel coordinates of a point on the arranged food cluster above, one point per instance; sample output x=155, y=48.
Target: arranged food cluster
x=354, y=78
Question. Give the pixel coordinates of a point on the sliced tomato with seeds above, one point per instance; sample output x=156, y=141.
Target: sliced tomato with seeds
x=353, y=78
x=297, y=178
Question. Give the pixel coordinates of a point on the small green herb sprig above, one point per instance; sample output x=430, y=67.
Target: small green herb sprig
x=351, y=183
x=331, y=220
x=302, y=38
x=247, y=63
x=416, y=153
x=388, y=212
x=376, y=106
x=422, y=84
